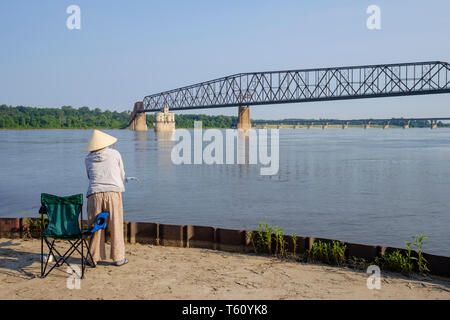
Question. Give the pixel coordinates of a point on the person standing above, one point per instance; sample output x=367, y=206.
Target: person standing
x=104, y=168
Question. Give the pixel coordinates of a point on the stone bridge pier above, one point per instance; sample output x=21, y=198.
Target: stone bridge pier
x=164, y=121
x=244, y=122
x=406, y=125
x=433, y=124
x=139, y=122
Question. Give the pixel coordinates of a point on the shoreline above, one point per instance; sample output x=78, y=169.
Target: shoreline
x=157, y=272
x=253, y=127
x=227, y=240
x=19, y=129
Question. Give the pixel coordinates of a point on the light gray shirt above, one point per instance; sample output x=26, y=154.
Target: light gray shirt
x=105, y=171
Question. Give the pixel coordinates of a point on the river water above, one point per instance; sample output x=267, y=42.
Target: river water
x=365, y=186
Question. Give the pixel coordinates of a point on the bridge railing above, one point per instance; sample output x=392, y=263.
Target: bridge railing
x=276, y=87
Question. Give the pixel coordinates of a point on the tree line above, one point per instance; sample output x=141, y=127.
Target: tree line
x=67, y=117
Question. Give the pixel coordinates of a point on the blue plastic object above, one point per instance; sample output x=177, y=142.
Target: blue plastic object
x=99, y=224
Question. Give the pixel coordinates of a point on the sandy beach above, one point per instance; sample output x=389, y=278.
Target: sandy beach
x=157, y=272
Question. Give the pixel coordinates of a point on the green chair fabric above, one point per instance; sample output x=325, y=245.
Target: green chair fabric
x=63, y=216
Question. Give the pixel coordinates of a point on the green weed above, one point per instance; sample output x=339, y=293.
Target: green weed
x=418, y=244
x=263, y=240
x=32, y=226
x=358, y=263
x=294, y=242
x=396, y=261
x=328, y=252
x=406, y=263
x=280, y=242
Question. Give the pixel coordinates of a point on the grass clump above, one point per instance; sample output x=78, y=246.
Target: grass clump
x=269, y=240
x=280, y=242
x=294, y=243
x=32, y=227
x=358, y=263
x=262, y=238
x=421, y=262
x=406, y=263
x=328, y=252
x=395, y=261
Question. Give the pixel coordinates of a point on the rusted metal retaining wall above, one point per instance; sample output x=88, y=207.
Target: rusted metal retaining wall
x=225, y=240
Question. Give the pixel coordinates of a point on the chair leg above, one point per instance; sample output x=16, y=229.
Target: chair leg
x=82, y=258
x=42, y=256
x=88, y=254
x=50, y=247
x=57, y=252
x=63, y=258
x=69, y=252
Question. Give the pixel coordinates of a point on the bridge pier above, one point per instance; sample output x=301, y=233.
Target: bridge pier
x=433, y=124
x=139, y=122
x=164, y=121
x=406, y=125
x=244, y=122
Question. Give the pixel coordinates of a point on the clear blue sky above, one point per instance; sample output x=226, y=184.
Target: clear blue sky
x=128, y=49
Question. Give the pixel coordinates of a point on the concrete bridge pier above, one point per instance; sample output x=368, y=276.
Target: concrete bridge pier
x=164, y=121
x=406, y=125
x=433, y=124
x=244, y=122
x=139, y=122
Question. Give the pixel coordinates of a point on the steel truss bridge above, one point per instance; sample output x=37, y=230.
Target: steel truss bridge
x=352, y=121
x=305, y=85
x=277, y=87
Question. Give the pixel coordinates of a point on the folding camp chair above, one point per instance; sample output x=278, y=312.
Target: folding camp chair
x=63, y=223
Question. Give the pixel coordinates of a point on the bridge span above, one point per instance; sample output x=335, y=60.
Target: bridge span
x=294, y=86
x=385, y=123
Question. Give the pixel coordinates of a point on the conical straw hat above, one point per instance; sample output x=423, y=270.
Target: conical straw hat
x=99, y=140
